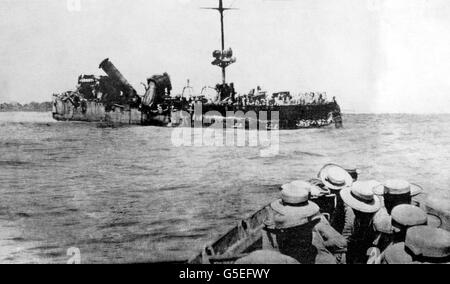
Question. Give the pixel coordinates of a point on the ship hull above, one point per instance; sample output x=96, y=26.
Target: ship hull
x=287, y=117
x=95, y=112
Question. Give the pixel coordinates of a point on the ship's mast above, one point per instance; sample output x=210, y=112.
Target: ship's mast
x=221, y=23
x=223, y=58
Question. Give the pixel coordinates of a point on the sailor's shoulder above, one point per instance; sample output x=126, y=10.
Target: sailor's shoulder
x=382, y=221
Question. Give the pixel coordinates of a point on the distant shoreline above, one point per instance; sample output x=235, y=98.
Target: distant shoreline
x=395, y=113
x=5, y=111
x=30, y=107
x=47, y=107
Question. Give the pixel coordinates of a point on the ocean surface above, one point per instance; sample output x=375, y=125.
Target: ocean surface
x=126, y=194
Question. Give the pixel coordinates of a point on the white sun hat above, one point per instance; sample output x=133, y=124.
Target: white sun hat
x=294, y=208
x=314, y=190
x=335, y=177
x=408, y=216
x=361, y=198
x=398, y=187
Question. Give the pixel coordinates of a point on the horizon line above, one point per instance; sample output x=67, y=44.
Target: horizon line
x=343, y=112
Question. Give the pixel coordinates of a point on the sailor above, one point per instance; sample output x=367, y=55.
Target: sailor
x=232, y=93
x=333, y=241
x=362, y=204
x=290, y=229
x=335, y=178
x=311, y=98
x=392, y=194
x=321, y=100
x=160, y=109
x=423, y=245
x=405, y=217
x=396, y=192
x=402, y=218
x=99, y=96
x=302, y=99
x=314, y=98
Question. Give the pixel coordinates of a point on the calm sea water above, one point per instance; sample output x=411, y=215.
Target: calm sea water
x=127, y=195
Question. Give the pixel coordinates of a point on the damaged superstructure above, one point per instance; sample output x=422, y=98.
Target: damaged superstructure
x=112, y=99
x=108, y=98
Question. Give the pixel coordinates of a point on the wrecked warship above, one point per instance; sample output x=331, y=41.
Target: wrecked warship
x=112, y=99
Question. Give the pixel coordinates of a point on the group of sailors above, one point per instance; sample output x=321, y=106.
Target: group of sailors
x=312, y=98
x=335, y=219
x=226, y=94
x=260, y=98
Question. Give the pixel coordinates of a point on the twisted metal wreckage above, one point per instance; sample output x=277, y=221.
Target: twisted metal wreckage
x=112, y=99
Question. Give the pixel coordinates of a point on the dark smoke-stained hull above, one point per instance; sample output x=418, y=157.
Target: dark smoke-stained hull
x=289, y=117
x=95, y=112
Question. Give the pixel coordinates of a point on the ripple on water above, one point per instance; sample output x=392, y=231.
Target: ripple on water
x=124, y=194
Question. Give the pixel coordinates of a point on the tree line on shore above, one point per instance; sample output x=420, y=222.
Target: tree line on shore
x=33, y=106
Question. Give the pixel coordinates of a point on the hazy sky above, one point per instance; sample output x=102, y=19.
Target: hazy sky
x=373, y=55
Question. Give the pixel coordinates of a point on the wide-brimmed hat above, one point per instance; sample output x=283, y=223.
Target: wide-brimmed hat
x=314, y=190
x=382, y=221
x=407, y=216
x=360, y=197
x=438, y=205
x=397, y=254
x=398, y=187
x=335, y=177
x=294, y=209
x=428, y=242
x=421, y=242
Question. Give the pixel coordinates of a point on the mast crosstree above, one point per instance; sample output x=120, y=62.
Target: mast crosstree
x=223, y=58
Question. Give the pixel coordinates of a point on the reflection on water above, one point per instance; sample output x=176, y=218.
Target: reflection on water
x=127, y=195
